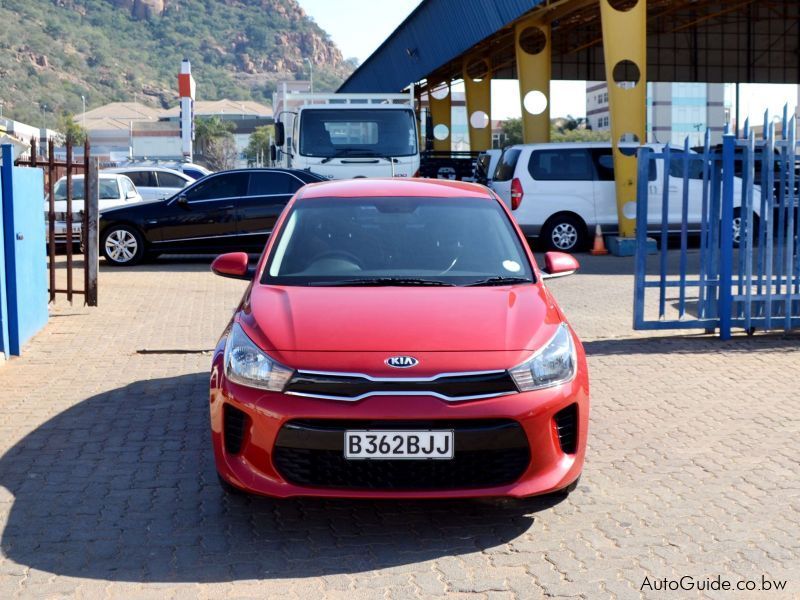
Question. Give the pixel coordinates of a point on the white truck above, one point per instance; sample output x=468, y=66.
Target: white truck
x=343, y=136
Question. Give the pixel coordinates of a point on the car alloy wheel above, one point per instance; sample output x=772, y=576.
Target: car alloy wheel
x=123, y=246
x=564, y=236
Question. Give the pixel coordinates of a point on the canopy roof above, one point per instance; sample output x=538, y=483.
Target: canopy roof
x=744, y=41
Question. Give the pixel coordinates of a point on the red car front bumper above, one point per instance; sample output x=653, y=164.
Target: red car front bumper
x=252, y=466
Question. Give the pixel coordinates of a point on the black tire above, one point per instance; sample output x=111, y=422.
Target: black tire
x=122, y=245
x=737, y=220
x=565, y=233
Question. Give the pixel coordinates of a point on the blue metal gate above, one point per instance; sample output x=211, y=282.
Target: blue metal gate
x=741, y=200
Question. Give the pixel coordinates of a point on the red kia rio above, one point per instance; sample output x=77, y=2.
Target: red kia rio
x=397, y=340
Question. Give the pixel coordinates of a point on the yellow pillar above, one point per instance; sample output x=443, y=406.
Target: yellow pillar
x=440, y=115
x=532, y=42
x=477, y=74
x=625, y=49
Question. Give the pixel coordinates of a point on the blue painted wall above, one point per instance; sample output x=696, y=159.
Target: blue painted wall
x=3, y=299
x=25, y=259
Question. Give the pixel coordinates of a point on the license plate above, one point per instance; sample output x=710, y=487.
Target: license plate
x=398, y=445
x=61, y=228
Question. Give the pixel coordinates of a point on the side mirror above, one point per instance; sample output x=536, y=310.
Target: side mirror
x=559, y=264
x=130, y=195
x=273, y=153
x=233, y=265
x=280, y=134
x=182, y=201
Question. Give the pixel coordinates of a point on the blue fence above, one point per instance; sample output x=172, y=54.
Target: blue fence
x=741, y=200
x=23, y=266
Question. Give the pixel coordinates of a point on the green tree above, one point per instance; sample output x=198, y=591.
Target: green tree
x=221, y=154
x=512, y=131
x=70, y=132
x=579, y=135
x=210, y=130
x=257, y=149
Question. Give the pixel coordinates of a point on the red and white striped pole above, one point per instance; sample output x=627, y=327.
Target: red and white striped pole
x=186, y=90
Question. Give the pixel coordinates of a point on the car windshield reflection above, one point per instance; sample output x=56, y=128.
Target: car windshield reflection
x=397, y=241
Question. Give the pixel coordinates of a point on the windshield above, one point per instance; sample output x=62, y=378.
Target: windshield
x=504, y=170
x=397, y=241
x=108, y=189
x=358, y=132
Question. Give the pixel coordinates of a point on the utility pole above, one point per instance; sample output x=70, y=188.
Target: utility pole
x=310, y=73
x=83, y=118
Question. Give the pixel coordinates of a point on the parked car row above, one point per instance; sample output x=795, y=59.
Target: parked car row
x=115, y=190
x=557, y=193
x=118, y=185
x=223, y=211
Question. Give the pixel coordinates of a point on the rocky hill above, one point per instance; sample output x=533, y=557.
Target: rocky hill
x=54, y=51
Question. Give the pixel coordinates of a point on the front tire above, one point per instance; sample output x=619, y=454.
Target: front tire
x=564, y=233
x=122, y=245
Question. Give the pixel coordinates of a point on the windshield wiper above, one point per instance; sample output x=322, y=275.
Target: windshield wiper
x=348, y=152
x=499, y=281
x=380, y=281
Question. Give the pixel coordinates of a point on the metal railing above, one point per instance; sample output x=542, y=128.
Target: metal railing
x=53, y=171
x=741, y=200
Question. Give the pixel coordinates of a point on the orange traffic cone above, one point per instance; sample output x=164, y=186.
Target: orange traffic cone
x=599, y=243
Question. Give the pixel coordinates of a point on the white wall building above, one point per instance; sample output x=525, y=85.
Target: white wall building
x=674, y=111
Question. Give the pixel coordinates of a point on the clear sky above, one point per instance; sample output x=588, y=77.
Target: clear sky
x=358, y=27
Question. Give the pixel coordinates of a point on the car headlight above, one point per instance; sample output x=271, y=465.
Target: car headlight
x=247, y=364
x=553, y=364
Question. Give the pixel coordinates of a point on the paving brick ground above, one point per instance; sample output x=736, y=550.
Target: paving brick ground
x=107, y=487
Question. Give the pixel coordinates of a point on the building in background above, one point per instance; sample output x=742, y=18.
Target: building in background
x=20, y=135
x=674, y=111
x=123, y=130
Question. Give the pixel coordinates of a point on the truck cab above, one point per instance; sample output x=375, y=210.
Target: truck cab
x=338, y=139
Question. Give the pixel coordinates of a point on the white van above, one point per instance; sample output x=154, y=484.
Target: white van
x=559, y=192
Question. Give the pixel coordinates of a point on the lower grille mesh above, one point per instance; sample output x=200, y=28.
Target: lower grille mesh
x=487, y=453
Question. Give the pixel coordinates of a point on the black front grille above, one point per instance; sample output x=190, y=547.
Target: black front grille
x=354, y=386
x=487, y=453
x=235, y=425
x=567, y=425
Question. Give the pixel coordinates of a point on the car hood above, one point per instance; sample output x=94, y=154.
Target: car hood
x=393, y=319
x=137, y=204
x=77, y=205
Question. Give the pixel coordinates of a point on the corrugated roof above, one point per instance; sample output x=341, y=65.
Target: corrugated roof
x=436, y=32
x=223, y=107
x=123, y=111
x=105, y=123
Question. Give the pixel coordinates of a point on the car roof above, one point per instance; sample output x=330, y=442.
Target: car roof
x=295, y=172
x=363, y=187
x=124, y=170
x=572, y=145
x=101, y=174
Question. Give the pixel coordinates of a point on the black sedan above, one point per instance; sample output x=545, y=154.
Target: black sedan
x=223, y=212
